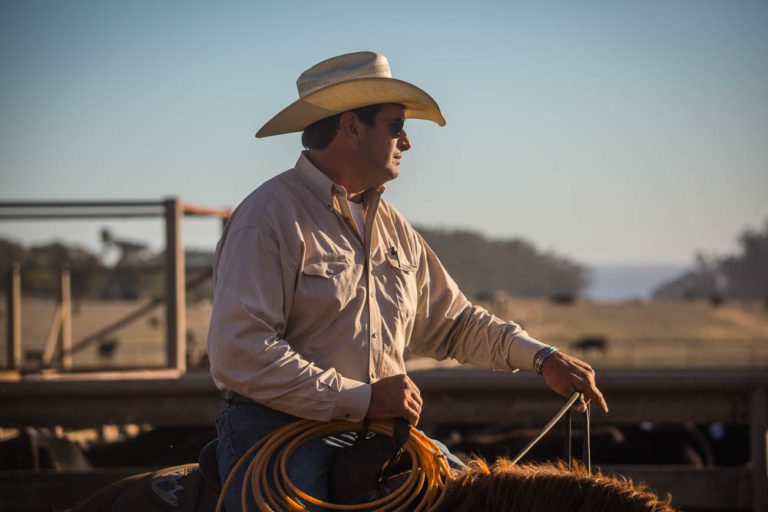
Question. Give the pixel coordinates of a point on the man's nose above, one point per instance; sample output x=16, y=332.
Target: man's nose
x=403, y=142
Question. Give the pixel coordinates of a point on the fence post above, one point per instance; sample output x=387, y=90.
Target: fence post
x=65, y=296
x=14, y=317
x=758, y=433
x=176, y=331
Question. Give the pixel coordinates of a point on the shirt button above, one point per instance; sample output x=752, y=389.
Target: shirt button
x=373, y=375
x=329, y=272
x=373, y=335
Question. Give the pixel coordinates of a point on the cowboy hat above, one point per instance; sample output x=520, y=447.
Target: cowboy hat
x=345, y=83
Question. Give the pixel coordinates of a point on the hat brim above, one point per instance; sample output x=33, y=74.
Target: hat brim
x=349, y=95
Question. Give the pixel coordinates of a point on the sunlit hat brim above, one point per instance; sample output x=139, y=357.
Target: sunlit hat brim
x=352, y=94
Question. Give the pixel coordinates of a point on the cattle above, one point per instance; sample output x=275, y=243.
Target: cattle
x=591, y=344
x=159, y=447
x=38, y=449
x=562, y=298
x=107, y=348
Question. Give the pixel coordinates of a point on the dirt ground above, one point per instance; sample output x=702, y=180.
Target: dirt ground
x=631, y=334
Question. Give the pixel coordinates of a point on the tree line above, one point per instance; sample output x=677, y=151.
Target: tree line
x=740, y=276
x=480, y=266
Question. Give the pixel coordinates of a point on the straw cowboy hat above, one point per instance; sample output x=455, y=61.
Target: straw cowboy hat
x=348, y=82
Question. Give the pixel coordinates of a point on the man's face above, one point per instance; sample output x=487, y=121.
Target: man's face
x=380, y=151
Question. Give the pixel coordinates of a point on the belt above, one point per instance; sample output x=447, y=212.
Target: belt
x=230, y=396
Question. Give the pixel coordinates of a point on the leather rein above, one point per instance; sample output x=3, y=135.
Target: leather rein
x=566, y=409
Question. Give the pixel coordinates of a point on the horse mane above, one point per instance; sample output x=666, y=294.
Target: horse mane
x=545, y=487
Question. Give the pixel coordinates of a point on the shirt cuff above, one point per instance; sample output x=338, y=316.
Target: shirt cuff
x=353, y=401
x=523, y=351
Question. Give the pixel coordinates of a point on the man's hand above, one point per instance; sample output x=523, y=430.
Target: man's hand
x=566, y=374
x=395, y=397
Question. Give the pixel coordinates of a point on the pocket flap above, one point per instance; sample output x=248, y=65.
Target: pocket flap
x=328, y=269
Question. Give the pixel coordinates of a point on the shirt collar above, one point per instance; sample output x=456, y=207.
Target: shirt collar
x=322, y=186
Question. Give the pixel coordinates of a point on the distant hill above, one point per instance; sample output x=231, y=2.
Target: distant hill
x=481, y=266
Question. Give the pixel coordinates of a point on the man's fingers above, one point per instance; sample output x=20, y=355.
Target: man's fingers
x=417, y=398
x=412, y=415
x=592, y=393
x=566, y=374
x=598, y=397
x=393, y=397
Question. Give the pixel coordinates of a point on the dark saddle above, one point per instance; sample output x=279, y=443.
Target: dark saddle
x=185, y=488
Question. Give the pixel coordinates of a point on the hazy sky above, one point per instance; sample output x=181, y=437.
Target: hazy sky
x=605, y=131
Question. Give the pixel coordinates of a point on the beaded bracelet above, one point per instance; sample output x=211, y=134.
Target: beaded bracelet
x=541, y=357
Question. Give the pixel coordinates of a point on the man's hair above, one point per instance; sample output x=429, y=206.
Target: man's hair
x=320, y=133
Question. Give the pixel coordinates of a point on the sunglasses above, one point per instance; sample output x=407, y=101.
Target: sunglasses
x=395, y=126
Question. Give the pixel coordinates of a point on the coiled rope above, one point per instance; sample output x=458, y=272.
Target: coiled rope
x=422, y=491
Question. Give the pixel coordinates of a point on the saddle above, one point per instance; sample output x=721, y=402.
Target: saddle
x=185, y=488
x=372, y=467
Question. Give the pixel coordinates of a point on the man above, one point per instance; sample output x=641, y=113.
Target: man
x=321, y=286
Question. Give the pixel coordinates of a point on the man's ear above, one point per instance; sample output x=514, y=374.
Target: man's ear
x=350, y=128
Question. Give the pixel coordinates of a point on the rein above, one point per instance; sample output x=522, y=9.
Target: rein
x=566, y=409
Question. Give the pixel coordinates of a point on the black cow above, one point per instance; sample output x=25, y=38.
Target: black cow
x=40, y=449
x=160, y=447
x=590, y=344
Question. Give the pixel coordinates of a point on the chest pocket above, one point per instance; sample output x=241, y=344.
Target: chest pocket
x=326, y=285
x=402, y=279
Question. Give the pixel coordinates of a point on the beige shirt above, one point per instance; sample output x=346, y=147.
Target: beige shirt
x=306, y=315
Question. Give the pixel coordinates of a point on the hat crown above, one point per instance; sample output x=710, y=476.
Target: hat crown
x=351, y=66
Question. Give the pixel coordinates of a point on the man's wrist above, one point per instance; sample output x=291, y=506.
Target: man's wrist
x=542, y=356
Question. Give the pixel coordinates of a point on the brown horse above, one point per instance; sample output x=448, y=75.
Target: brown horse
x=544, y=488
x=498, y=487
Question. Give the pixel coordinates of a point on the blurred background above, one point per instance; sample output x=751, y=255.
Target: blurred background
x=601, y=180
x=608, y=156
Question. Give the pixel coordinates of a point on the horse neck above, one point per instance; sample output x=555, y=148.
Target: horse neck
x=543, y=488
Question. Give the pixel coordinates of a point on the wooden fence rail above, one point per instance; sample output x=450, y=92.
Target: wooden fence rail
x=172, y=210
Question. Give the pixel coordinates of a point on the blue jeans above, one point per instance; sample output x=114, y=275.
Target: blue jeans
x=242, y=423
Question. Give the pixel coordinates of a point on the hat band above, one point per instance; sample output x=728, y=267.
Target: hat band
x=307, y=87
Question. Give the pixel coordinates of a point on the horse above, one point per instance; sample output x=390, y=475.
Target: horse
x=501, y=486
x=533, y=487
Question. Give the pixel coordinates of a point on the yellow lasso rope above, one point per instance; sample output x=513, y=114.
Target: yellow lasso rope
x=427, y=478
